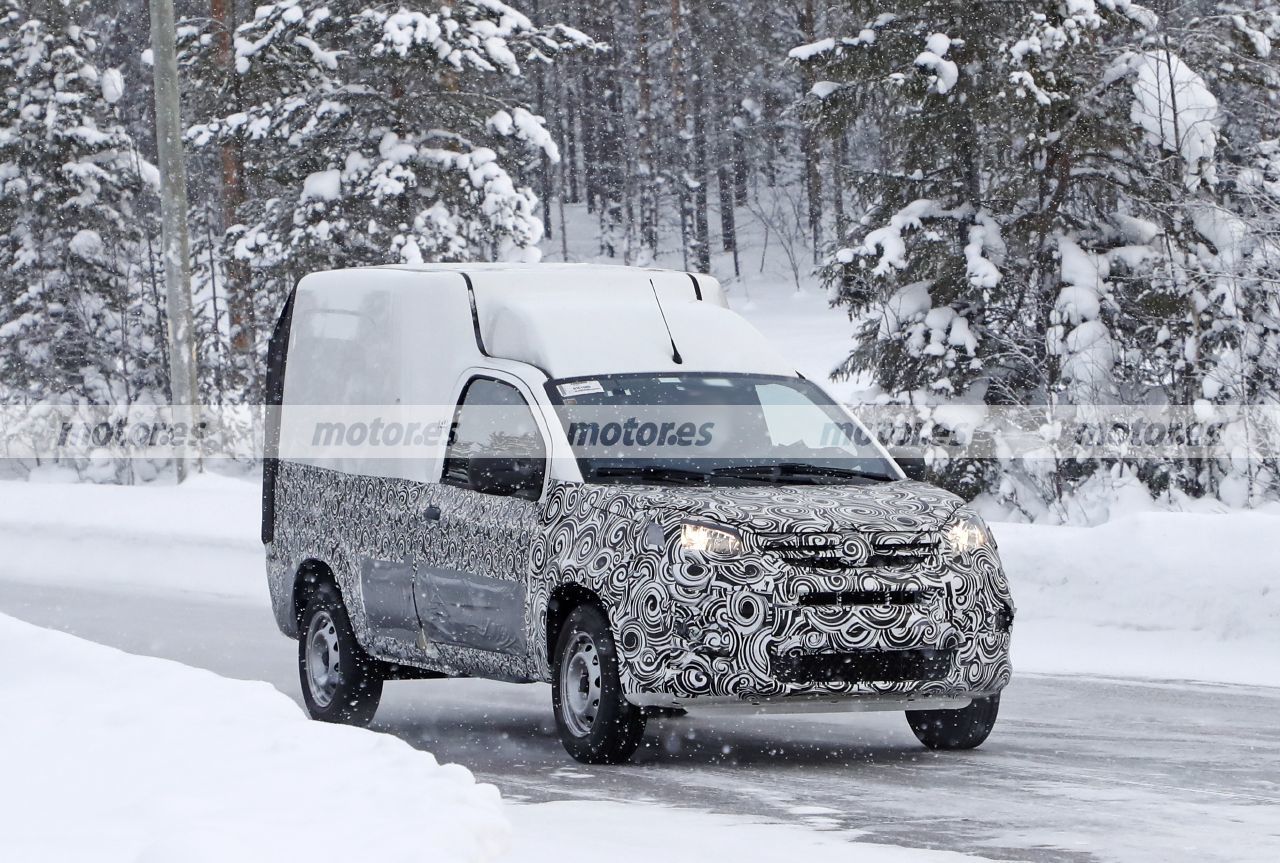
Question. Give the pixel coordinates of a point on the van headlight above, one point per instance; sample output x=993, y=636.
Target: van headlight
x=709, y=539
x=967, y=532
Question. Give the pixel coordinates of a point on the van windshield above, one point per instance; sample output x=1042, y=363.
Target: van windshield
x=701, y=429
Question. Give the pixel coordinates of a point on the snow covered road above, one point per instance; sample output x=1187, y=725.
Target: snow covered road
x=1080, y=768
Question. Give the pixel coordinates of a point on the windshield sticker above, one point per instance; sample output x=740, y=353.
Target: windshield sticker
x=580, y=388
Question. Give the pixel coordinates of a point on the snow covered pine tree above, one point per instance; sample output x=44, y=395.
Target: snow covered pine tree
x=1035, y=216
x=77, y=324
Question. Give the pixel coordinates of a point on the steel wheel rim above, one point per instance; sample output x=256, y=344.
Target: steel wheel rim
x=323, y=675
x=580, y=685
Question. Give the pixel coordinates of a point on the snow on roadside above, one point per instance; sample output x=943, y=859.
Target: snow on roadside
x=1174, y=596
x=115, y=757
x=1171, y=596
x=200, y=538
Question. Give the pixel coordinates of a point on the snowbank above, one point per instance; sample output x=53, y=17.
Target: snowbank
x=201, y=537
x=114, y=757
x=1159, y=595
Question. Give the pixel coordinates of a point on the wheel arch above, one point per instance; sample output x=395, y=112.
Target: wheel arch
x=563, y=600
x=311, y=574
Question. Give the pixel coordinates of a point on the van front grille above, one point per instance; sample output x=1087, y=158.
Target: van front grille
x=865, y=597
x=833, y=552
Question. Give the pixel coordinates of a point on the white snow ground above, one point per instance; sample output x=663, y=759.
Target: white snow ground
x=115, y=757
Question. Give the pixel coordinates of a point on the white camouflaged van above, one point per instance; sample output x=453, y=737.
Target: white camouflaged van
x=603, y=479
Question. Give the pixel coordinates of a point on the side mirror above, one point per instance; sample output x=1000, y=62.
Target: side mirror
x=505, y=476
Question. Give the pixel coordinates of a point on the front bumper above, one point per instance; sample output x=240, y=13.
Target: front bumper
x=810, y=703
x=760, y=633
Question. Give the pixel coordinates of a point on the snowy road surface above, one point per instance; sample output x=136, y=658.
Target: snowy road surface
x=1078, y=769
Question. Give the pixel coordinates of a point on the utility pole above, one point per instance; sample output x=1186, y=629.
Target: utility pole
x=173, y=217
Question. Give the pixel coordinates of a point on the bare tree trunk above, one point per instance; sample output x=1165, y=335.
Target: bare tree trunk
x=544, y=168
x=702, y=232
x=684, y=138
x=740, y=167
x=241, y=316
x=589, y=139
x=219, y=376
x=173, y=209
x=839, y=154
x=647, y=174
x=569, y=137
x=809, y=142
x=727, y=195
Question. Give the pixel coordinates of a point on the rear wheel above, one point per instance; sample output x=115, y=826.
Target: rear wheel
x=596, y=722
x=965, y=728
x=340, y=682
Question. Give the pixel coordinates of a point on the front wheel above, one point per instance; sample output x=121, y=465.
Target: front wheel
x=596, y=722
x=965, y=728
x=340, y=682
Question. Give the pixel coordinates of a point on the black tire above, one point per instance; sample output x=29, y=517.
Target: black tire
x=352, y=698
x=597, y=724
x=965, y=728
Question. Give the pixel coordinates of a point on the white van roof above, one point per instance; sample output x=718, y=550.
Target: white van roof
x=574, y=320
x=567, y=319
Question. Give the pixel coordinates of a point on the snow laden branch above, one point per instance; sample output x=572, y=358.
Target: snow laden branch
x=381, y=132
x=1174, y=108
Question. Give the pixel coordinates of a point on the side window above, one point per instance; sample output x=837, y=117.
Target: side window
x=495, y=446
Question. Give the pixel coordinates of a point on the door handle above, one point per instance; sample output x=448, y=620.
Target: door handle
x=432, y=513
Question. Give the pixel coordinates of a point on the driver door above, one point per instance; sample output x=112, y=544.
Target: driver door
x=470, y=594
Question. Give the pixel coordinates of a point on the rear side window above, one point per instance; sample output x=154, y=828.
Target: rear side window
x=495, y=446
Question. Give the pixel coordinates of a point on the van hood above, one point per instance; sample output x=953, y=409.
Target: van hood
x=904, y=506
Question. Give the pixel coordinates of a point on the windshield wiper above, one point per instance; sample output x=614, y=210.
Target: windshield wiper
x=653, y=473
x=797, y=470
